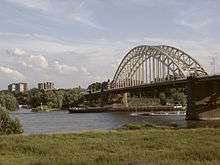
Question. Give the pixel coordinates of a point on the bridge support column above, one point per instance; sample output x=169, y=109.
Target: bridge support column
x=125, y=99
x=191, y=113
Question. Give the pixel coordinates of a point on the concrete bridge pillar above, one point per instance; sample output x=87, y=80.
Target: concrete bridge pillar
x=125, y=99
x=191, y=113
x=203, y=99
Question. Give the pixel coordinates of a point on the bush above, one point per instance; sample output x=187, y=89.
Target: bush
x=8, y=101
x=7, y=124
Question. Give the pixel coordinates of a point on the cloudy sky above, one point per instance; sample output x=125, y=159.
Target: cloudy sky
x=76, y=42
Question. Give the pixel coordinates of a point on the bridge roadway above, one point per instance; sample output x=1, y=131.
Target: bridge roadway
x=181, y=83
x=141, y=87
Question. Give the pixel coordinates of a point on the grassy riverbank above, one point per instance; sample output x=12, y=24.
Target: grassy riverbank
x=145, y=146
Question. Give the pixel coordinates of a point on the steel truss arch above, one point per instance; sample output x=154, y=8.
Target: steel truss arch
x=148, y=64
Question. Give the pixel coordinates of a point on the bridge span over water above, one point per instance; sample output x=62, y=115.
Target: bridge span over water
x=158, y=67
x=151, y=64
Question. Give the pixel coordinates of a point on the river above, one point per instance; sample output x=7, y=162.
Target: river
x=62, y=121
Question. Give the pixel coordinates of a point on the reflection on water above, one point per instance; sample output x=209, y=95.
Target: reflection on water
x=62, y=121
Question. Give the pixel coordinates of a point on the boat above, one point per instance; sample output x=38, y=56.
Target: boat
x=176, y=113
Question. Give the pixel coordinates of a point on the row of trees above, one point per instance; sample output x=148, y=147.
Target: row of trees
x=52, y=98
x=167, y=96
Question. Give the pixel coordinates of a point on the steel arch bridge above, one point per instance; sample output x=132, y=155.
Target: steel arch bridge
x=151, y=64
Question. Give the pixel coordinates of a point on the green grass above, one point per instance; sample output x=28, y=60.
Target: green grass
x=132, y=147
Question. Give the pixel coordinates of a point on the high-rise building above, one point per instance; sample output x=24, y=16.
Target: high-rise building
x=18, y=87
x=46, y=86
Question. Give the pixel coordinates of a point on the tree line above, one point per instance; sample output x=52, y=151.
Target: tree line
x=61, y=98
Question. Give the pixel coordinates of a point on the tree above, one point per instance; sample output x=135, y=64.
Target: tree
x=8, y=101
x=72, y=98
x=51, y=98
x=54, y=98
x=95, y=86
x=35, y=98
x=7, y=124
x=178, y=96
x=21, y=97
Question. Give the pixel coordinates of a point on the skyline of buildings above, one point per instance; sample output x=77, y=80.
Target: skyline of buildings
x=23, y=86
x=18, y=87
x=46, y=86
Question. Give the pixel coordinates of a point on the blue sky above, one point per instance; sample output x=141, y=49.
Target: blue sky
x=76, y=42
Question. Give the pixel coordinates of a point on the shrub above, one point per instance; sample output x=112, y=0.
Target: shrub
x=7, y=124
x=8, y=101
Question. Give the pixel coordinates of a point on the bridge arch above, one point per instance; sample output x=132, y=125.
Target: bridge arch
x=148, y=64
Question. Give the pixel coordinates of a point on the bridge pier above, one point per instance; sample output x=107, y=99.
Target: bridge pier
x=203, y=99
x=125, y=99
x=191, y=106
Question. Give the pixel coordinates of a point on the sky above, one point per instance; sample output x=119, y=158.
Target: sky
x=77, y=42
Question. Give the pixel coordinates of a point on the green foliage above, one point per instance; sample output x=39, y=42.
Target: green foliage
x=178, y=97
x=22, y=97
x=72, y=98
x=95, y=86
x=8, y=101
x=7, y=124
x=168, y=96
x=55, y=98
x=173, y=96
x=51, y=98
x=35, y=98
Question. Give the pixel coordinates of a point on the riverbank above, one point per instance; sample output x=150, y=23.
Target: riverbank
x=144, y=146
x=125, y=109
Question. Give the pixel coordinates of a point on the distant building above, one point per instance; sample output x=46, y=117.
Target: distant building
x=46, y=86
x=18, y=87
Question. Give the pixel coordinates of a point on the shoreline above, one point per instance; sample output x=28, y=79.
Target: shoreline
x=124, y=109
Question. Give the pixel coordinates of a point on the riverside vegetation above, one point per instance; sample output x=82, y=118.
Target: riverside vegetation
x=8, y=125
x=66, y=98
x=148, y=145
x=51, y=99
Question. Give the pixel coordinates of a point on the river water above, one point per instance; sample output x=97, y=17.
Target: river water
x=62, y=121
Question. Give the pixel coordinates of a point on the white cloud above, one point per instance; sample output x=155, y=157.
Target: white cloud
x=85, y=71
x=28, y=60
x=9, y=73
x=35, y=4
x=63, y=10
x=193, y=23
x=16, y=52
x=37, y=61
x=195, y=17
x=64, y=69
x=87, y=21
